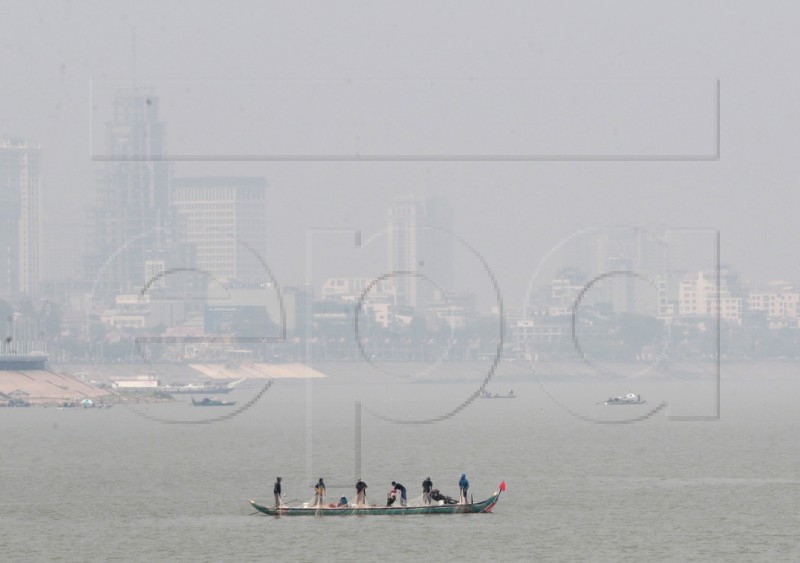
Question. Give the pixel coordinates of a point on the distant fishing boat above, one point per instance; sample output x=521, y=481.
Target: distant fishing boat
x=487, y=395
x=629, y=399
x=484, y=506
x=211, y=402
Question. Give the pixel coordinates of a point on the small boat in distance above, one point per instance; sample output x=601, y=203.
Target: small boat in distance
x=629, y=399
x=212, y=402
x=484, y=506
x=487, y=395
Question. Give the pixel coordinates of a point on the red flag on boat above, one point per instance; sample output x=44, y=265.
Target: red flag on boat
x=503, y=486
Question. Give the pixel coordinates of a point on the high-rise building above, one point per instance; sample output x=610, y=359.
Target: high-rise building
x=20, y=226
x=132, y=216
x=421, y=250
x=225, y=220
x=62, y=253
x=633, y=255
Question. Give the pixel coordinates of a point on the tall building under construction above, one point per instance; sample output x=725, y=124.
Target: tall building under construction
x=132, y=221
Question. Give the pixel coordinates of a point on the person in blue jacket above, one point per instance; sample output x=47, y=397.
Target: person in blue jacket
x=463, y=484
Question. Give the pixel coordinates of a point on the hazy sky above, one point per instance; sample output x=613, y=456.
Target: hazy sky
x=52, y=52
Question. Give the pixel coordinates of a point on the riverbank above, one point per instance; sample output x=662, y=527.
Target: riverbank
x=443, y=372
x=47, y=387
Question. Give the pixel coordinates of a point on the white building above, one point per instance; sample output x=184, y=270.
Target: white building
x=130, y=311
x=351, y=289
x=783, y=303
x=380, y=302
x=563, y=293
x=225, y=219
x=139, y=382
x=139, y=311
x=697, y=297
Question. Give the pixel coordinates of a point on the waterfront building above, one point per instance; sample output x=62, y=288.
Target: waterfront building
x=779, y=302
x=351, y=290
x=697, y=297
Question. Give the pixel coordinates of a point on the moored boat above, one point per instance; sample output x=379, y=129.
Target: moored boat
x=484, y=506
x=205, y=389
x=487, y=395
x=206, y=402
x=629, y=399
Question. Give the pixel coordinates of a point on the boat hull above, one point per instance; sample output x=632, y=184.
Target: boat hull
x=620, y=403
x=212, y=403
x=472, y=508
x=197, y=390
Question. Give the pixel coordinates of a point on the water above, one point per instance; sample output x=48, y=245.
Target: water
x=109, y=484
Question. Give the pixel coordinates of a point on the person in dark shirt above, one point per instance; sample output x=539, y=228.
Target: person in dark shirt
x=402, y=489
x=361, y=493
x=463, y=484
x=437, y=496
x=427, y=486
x=276, y=490
x=319, y=492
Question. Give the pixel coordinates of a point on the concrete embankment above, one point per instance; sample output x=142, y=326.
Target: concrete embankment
x=46, y=386
x=443, y=372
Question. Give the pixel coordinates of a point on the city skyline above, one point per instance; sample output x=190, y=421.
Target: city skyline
x=138, y=124
x=539, y=203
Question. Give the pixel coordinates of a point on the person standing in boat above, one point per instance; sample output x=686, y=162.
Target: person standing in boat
x=427, y=486
x=403, y=496
x=276, y=490
x=319, y=492
x=463, y=485
x=361, y=493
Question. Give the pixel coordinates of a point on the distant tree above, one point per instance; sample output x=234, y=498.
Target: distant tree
x=637, y=331
x=50, y=319
x=159, y=329
x=418, y=328
x=97, y=330
x=6, y=318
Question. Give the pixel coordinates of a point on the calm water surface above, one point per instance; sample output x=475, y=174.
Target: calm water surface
x=112, y=485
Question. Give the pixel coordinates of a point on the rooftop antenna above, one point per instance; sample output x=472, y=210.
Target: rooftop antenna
x=133, y=58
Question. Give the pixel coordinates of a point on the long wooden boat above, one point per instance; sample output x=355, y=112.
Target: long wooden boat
x=484, y=506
